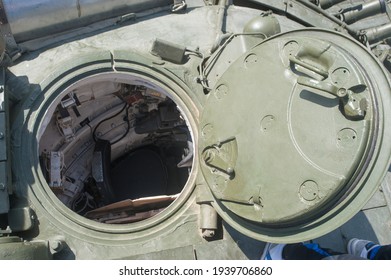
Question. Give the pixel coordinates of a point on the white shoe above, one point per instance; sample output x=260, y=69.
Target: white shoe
x=272, y=251
x=361, y=248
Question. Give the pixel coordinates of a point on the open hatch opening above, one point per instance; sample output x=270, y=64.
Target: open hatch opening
x=115, y=151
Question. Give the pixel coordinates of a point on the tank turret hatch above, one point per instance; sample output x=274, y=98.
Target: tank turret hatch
x=291, y=137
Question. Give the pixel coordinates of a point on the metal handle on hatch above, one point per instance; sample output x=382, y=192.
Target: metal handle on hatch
x=298, y=61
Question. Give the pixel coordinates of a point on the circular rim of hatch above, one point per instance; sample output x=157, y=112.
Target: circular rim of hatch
x=127, y=71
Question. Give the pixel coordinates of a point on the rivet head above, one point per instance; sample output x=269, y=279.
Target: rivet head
x=56, y=246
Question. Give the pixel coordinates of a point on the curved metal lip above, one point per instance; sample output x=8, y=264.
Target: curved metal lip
x=68, y=214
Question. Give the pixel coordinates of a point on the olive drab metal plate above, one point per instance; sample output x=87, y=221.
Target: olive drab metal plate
x=289, y=129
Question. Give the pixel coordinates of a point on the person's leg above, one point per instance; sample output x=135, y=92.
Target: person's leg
x=307, y=251
x=297, y=251
x=383, y=253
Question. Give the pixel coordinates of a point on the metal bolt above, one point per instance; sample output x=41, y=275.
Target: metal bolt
x=56, y=246
x=208, y=233
x=1, y=135
x=2, y=187
x=342, y=92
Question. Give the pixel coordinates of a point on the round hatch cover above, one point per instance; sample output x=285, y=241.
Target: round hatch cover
x=292, y=134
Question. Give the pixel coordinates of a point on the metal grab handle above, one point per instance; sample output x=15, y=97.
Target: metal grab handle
x=298, y=61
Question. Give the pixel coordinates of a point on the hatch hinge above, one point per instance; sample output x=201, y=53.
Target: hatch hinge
x=208, y=216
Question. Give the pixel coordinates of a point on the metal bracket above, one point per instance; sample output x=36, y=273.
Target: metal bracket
x=354, y=106
x=222, y=156
x=168, y=51
x=100, y=170
x=179, y=5
x=21, y=219
x=56, y=165
x=4, y=232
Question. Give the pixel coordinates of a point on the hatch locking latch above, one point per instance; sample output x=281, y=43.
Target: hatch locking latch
x=222, y=156
x=354, y=105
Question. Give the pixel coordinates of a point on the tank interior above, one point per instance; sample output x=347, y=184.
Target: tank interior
x=115, y=152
